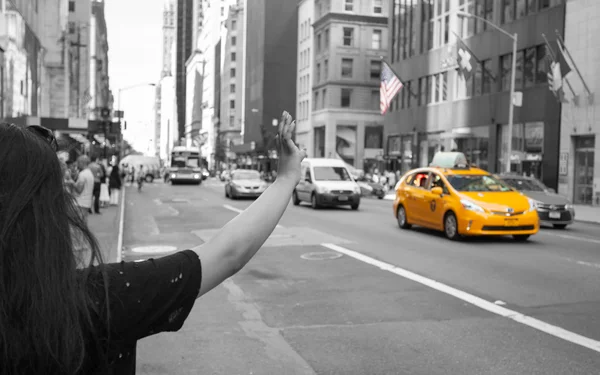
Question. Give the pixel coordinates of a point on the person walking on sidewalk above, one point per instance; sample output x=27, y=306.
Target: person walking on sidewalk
x=88, y=321
x=114, y=184
x=98, y=173
x=83, y=187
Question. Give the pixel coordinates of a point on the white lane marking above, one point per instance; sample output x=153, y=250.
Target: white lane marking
x=121, y=227
x=158, y=202
x=476, y=301
x=174, y=212
x=570, y=237
x=239, y=211
x=582, y=263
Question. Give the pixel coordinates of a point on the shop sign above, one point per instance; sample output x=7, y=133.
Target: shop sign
x=563, y=165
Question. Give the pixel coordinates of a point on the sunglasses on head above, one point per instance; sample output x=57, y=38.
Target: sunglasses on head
x=46, y=134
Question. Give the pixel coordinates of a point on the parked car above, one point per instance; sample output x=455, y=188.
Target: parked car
x=370, y=188
x=553, y=209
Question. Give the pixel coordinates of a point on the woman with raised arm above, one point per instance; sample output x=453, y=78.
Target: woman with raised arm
x=57, y=319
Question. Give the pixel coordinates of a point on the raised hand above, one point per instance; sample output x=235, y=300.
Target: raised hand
x=290, y=156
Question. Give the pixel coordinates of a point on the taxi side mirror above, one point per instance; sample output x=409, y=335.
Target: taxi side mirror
x=437, y=191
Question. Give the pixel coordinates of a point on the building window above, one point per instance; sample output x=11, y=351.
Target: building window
x=375, y=99
x=232, y=104
x=71, y=6
x=318, y=49
x=326, y=39
x=232, y=72
x=349, y=5
x=233, y=40
x=541, y=68
x=231, y=121
x=233, y=25
x=375, y=69
x=487, y=78
x=422, y=91
x=71, y=27
x=377, y=6
x=478, y=80
x=347, y=68
x=376, y=39
x=233, y=56
x=222, y=11
x=318, y=73
x=324, y=98
x=346, y=98
x=232, y=88
x=508, y=11
x=348, y=36
x=325, y=69
x=428, y=96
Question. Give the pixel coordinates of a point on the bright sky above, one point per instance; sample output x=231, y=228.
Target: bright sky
x=135, y=57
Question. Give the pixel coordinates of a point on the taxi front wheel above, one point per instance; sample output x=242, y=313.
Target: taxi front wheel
x=402, y=222
x=451, y=226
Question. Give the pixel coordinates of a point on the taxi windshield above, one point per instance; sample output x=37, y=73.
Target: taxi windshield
x=479, y=183
x=522, y=184
x=331, y=174
x=246, y=175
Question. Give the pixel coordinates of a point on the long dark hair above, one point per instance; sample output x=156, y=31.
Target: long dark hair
x=48, y=321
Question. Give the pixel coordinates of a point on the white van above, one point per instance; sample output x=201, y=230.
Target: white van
x=326, y=182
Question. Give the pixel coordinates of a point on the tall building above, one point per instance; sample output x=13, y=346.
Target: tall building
x=438, y=110
x=579, y=158
x=350, y=40
x=78, y=39
x=166, y=131
x=183, y=48
x=269, y=77
x=232, y=93
x=304, y=129
x=101, y=96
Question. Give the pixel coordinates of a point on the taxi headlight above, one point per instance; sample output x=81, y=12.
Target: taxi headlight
x=468, y=205
x=533, y=204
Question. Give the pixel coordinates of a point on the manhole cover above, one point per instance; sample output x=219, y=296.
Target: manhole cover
x=324, y=255
x=154, y=249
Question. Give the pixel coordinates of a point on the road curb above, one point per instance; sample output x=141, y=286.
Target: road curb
x=587, y=222
x=121, y=225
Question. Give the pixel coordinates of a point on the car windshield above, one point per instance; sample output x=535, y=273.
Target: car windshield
x=478, y=183
x=523, y=184
x=245, y=175
x=331, y=174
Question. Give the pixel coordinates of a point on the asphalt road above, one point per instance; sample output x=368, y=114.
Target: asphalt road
x=301, y=308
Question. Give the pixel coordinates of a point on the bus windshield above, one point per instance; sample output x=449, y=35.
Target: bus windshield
x=185, y=162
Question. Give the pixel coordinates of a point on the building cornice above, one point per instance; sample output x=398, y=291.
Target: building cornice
x=348, y=83
x=350, y=18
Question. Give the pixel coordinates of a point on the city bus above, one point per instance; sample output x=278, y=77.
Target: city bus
x=185, y=166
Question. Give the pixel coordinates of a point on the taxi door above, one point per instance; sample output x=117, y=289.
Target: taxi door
x=416, y=196
x=433, y=206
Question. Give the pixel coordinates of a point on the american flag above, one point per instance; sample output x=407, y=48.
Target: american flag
x=390, y=85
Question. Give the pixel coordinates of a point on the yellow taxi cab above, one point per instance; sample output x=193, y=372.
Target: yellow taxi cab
x=463, y=200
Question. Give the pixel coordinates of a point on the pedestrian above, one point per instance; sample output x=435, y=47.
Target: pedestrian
x=97, y=173
x=114, y=183
x=88, y=321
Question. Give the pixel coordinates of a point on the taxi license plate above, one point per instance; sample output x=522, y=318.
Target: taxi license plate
x=554, y=215
x=342, y=199
x=511, y=222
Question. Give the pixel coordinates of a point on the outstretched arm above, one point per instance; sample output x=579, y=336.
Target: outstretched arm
x=239, y=240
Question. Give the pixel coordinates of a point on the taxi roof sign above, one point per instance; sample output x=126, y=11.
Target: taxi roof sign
x=451, y=160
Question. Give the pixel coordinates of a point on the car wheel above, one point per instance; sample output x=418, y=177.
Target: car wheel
x=149, y=178
x=295, y=198
x=402, y=222
x=451, y=226
x=354, y=206
x=313, y=202
x=559, y=226
x=380, y=197
x=521, y=237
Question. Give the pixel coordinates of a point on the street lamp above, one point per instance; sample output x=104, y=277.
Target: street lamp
x=120, y=113
x=511, y=107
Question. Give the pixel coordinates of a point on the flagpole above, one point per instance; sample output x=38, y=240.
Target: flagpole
x=397, y=75
x=554, y=59
x=561, y=41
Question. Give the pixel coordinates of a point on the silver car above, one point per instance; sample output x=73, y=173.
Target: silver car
x=553, y=209
x=244, y=183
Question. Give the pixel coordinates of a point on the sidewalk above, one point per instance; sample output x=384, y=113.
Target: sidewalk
x=106, y=229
